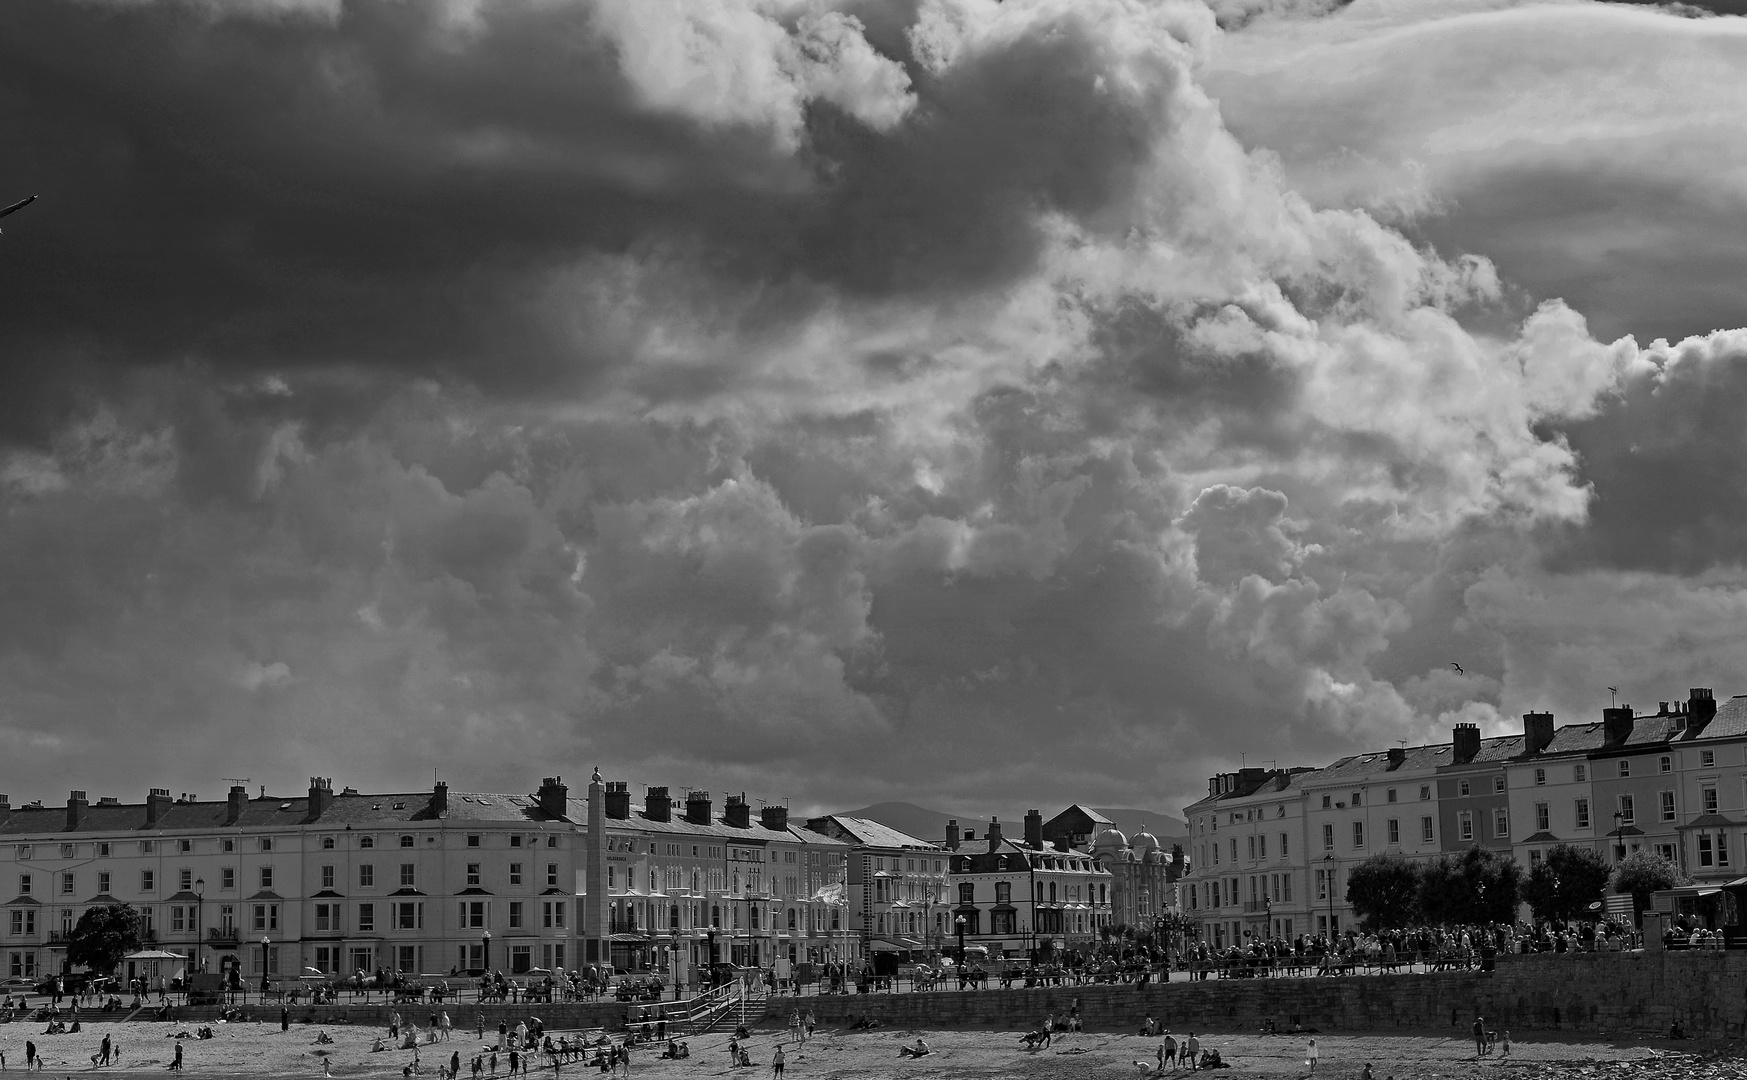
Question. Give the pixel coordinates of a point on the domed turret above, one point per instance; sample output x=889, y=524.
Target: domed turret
x=1110, y=842
x=1144, y=844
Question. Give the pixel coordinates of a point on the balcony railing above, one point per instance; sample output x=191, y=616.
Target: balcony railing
x=223, y=936
x=1252, y=907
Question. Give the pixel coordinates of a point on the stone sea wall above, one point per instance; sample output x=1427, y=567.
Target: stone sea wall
x=1615, y=993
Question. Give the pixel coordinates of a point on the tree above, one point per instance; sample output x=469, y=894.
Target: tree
x=103, y=936
x=1564, y=884
x=1477, y=886
x=1384, y=892
x=1642, y=873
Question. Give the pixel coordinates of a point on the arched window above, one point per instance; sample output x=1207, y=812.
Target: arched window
x=834, y=919
x=791, y=918
x=673, y=917
x=715, y=915
x=406, y=841
x=1052, y=892
x=367, y=841
x=327, y=843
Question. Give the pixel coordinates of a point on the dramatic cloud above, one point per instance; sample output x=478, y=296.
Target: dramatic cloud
x=837, y=400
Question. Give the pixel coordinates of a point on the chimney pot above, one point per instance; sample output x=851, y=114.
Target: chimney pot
x=1465, y=743
x=157, y=802
x=698, y=807
x=994, y=832
x=774, y=818
x=737, y=814
x=618, y=800
x=1537, y=731
x=1616, y=724
x=554, y=798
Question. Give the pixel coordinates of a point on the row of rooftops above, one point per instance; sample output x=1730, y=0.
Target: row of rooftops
x=322, y=807
x=1619, y=732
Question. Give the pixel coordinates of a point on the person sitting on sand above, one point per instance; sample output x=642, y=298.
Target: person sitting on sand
x=919, y=1050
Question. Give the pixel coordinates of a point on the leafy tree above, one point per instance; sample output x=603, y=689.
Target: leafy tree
x=1642, y=873
x=103, y=936
x=1477, y=886
x=1384, y=892
x=1564, y=884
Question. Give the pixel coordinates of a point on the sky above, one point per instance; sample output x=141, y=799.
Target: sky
x=960, y=402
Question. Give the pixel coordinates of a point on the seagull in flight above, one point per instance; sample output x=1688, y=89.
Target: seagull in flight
x=17, y=206
x=1458, y=668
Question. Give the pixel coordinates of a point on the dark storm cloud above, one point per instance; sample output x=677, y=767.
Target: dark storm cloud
x=1666, y=464
x=753, y=393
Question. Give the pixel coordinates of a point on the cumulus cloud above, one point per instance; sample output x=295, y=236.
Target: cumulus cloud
x=846, y=401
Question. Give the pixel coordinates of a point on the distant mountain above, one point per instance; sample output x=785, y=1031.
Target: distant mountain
x=918, y=821
x=926, y=824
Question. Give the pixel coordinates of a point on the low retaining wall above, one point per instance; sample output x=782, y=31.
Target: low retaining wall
x=1616, y=993
x=464, y=1016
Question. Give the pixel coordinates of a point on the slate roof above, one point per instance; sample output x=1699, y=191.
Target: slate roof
x=870, y=833
x=1730, y=721
x=1573, y=739
x=368, y=811
x=1367, y=766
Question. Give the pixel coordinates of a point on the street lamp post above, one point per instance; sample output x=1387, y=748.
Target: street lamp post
x=1328, y=883
x=266, y=964
x=485, y=950
x=1619, y=835
x=199, y=903
x=959, y=922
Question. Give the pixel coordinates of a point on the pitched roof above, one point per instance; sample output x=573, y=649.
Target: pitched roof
x=1730, y=721
x=870, y=833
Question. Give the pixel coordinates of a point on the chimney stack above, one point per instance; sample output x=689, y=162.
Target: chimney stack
x=737, y=814
x=994, y=834
x=1465, y=743
x=952, y=834
x=618, y=800
x=439, y=798
x=554, y=798
x=1033, y=830
x=1701, y=706
x=774, y=818
x=158, y=801
x=656, y=805
x=697, y=807
x=239, y=801
x=321, y=796
x=1616, y=724
x=5, y=809
x=77, y=804
x=1537, y=731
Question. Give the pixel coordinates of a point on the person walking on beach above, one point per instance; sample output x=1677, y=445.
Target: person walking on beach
x=776, y=1064
x=1191, y=1048
x=1171, y=1050
x=1479, y=1037
x=1312, y=1056
x=1504, y=1046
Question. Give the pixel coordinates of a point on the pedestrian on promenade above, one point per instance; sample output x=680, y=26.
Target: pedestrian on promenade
x=1312, y=1056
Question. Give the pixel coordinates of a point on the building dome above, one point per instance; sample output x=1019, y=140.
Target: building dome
x=1110, y=841
x=1145, y=843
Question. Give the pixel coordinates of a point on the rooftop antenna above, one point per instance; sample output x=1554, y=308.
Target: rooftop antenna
x=238, y=779
x=1613, y=695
